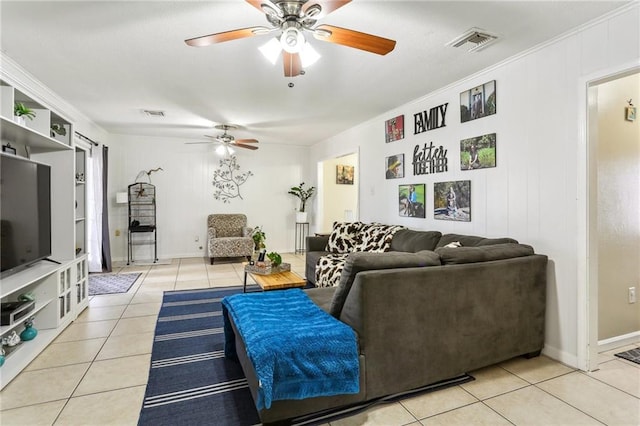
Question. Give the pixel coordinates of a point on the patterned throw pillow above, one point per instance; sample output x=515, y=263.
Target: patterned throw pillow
x=344, y=237
x=329, y=269
x=376, y=237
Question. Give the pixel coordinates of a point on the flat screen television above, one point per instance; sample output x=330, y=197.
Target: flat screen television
x=25, y=213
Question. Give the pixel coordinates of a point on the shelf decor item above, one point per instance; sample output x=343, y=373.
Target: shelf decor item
x=29, y=332
x=22, y=112
x=1, y=356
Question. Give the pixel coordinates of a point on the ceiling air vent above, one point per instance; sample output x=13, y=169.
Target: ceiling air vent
x=475, y=40
x=153, y=113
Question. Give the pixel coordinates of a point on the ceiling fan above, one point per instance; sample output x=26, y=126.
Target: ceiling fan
x=292, y=19
x=226, y=141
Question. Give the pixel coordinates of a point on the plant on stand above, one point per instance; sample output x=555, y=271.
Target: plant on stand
x=303, y=194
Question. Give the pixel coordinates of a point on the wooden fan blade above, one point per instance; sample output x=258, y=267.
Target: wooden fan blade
x=292, y=64
x=225, y=36
x=251, y=147
x=328, y=6
x=356, y=39
x=246, y=141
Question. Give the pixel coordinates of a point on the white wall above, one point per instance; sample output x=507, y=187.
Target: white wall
x=618, y=202
x=532, y=194
x=185, y=192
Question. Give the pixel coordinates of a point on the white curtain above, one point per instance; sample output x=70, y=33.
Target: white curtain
x=94, y=209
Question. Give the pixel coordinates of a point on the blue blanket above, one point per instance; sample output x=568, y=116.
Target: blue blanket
x=297, y=350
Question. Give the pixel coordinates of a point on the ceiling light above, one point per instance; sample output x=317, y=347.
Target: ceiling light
x=292, y=40
x=308, y=55
x=271, y=50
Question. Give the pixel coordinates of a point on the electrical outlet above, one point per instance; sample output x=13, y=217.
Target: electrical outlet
x=117, y=232
x=197, y=239
x=632, y=295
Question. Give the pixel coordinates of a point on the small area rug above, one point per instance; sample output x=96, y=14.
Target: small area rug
x=111, y=283
x=190, y=380
x=632, y=355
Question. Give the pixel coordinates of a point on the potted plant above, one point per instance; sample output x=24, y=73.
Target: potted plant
x=275, y=258
x=21, y=112
x=259, y=237
x=303, y=194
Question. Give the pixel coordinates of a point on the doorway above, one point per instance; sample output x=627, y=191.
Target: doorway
x=338, y=191
x=612, y=219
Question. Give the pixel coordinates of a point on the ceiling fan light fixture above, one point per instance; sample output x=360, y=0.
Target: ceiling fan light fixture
x=223, y=150
x=308, y=55
x=292, y=40
x=271, y=50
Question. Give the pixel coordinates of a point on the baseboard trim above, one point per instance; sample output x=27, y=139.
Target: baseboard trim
x=619, y=341
x=562, y=356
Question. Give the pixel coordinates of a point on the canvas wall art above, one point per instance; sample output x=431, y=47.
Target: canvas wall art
x=394, y=166
x=394, y=129
x=478, y=102
x=344, y=174
x=452, y=200
x=478, y=152
x=411, y=199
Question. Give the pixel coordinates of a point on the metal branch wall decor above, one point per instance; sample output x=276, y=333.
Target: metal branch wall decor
x=228, y=178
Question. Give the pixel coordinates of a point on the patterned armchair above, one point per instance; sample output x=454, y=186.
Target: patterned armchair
x=228, y=236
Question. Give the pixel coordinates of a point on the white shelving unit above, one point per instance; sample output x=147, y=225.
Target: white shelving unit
x=60, y=289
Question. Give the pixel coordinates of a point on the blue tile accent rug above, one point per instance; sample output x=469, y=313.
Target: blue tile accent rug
x=111, y=283
x=192, y=383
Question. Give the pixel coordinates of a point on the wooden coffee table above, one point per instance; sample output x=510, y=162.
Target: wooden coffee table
x=277, y=281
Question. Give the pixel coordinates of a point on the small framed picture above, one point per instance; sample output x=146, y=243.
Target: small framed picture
x=395, y=166
x=344, y=175
x=630, y=113
x=8, y=149
x=411, y=199
x=394, y=129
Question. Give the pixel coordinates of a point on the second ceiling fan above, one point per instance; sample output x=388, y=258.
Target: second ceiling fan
x=292, y=19
x=226, y=141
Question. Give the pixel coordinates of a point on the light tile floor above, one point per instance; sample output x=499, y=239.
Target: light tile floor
x=95, y=372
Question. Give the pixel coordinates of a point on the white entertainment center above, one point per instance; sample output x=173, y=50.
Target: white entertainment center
x=60, y=287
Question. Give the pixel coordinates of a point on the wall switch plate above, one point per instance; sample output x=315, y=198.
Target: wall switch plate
x=632, y=295
x=117, y=232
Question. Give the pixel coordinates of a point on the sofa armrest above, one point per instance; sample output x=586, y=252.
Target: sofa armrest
x=317, y=243
x=421, y=325
x=247, y=231
x=211, y=233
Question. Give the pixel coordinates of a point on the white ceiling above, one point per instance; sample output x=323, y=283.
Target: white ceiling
x=112, y=59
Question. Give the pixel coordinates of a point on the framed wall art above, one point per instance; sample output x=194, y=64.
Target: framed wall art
x=411, y=199
x=478, y=102
x=452, y=200
x=394, y=129
x=478, y=152
x=394, y=166
x=344, y=174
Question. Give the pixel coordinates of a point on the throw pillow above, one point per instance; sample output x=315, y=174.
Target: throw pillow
x=454, y=244
x=344, y=237
x=376, y=237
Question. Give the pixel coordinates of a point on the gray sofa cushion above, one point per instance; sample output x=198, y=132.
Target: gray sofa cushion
x=460, y=255
x=472, y=240
x=364, y=261
x=414, y=241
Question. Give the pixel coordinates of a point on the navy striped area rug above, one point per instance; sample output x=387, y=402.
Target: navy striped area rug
x=190, y=381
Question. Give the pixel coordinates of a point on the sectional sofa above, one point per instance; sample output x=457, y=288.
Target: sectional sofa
x=423, y=312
